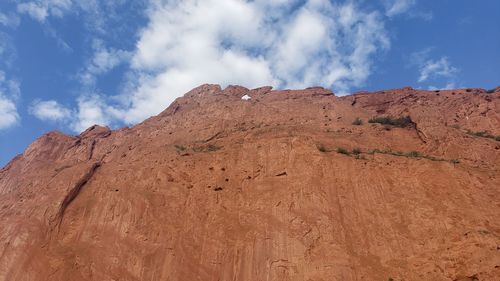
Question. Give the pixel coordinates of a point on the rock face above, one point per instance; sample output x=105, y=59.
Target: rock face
x=220, y=188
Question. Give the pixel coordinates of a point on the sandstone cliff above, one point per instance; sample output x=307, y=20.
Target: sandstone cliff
x=282, y=186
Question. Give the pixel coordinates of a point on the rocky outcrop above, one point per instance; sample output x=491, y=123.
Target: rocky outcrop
x=281, y=186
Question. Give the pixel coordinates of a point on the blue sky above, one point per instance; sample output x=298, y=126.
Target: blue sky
x=67, y=64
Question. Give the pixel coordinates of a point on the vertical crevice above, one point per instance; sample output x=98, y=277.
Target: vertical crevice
x=73, y=193
x=91, y=149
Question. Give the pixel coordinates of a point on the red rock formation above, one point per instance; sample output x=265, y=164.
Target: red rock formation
x=219, y=188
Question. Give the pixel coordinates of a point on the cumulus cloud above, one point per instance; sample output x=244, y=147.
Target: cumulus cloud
x=436, y=68
x=252, y=43
x=103, y=60
x=283, y=43
x=92, y=110
x=8, y=113
x=9, y=93
x=49, y=111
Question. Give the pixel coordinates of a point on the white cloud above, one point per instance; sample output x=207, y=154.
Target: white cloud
x=8, y=113
x=432, y=70
x=41, y=9
x=49, y=111
x=92, y=109
x=9, y=93
x=396, y=7
x=436, y=68
x=103, y=60
x=283, y=43
x=187, y=43
x=9, y=87
x=36, y=11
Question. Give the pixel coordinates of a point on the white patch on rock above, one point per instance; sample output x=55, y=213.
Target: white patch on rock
x=246, y=97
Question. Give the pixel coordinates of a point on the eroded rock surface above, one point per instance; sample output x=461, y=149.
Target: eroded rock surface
x=220, y=188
